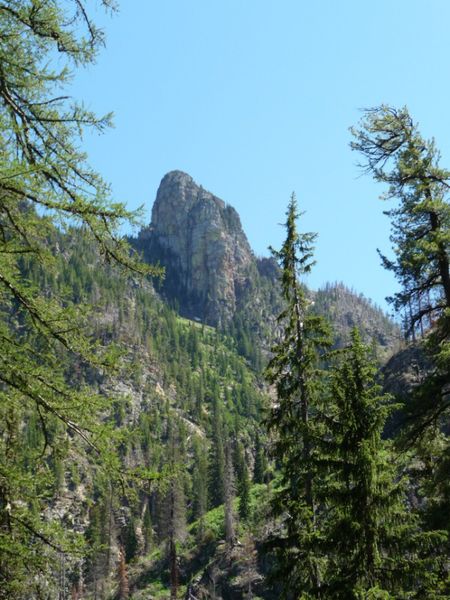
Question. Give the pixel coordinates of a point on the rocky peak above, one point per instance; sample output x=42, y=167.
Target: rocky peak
x=199, y=240
x=213, y=276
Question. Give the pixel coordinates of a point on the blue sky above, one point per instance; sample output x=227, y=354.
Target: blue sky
x=254, y=99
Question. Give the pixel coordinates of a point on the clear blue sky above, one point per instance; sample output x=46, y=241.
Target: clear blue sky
x=254, y=98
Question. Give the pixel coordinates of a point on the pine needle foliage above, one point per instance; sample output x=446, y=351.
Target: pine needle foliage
x=396, y=154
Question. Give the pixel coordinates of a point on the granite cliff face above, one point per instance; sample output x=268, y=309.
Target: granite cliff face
x=199, y=240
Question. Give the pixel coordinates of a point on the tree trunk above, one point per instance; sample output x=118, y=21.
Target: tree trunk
x=124, y=588
x=230, y=536
x=443, y=261
x=173, y=570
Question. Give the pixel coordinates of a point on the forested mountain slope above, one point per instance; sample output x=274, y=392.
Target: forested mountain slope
x=182, y=395
x=206, y=436
x=213, y=276
x=182, y=416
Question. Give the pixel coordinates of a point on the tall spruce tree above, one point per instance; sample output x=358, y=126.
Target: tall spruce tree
x=260, y=467
x=216, y=466
x=199, y=481
x=173, y=509
x=229, y=493
x=374, y=542
x=243, y=481
x=295, y=370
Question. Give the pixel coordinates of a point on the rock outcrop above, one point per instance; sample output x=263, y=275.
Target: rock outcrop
x=199, y=240
x=213, y=276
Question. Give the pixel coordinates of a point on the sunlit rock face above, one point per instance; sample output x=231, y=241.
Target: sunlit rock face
x=213, y=276
x=199, y=240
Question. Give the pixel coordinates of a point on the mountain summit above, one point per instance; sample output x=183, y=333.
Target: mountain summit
x=199, y=240
x=213, y=276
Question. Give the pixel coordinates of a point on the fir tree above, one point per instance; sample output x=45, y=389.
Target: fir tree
x=295, y=371
x=229, y=491
x=243, y=482
x=216, y=469
x=396, y=154
x=200, y=483
x=374, y=543
x=260, y=467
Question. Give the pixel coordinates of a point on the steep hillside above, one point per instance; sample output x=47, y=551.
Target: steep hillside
x=213, y=276
x=182, y=412
x=182, y=395
x=345, y=309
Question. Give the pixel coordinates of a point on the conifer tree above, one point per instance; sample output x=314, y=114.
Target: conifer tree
x=229, y=491
x=397, y=155
x=46, y=188
x=147, y=527
x=374, y=542
x=172, y=517
x=243, y=482
x=216, y=469
x=294, y=420
x=200, y=483
x=260, y=467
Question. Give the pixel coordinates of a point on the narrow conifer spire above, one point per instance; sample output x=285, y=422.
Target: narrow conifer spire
x=295, y=371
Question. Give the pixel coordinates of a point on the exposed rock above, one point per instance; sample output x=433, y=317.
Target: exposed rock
x=213, y=276
x=199, y=240
x=405, y=370
x=346, y=309
x=232, y=574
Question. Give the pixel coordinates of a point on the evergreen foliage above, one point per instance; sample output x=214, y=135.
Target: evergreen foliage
x=243, y=482
x=260, y=468
x=45, y=183
x=396, y=154
x=93, y=479
x=295, y=369
x=374, y=537
x=199, y=481
x=217, y=467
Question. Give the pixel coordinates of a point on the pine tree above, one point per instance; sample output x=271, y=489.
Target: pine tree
x=294, y=421
x=229, y=491
x=199, y=483
x=396, y=154
x=174, y=504
x=374, y=543
x=216, y=469
x=147, y=527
